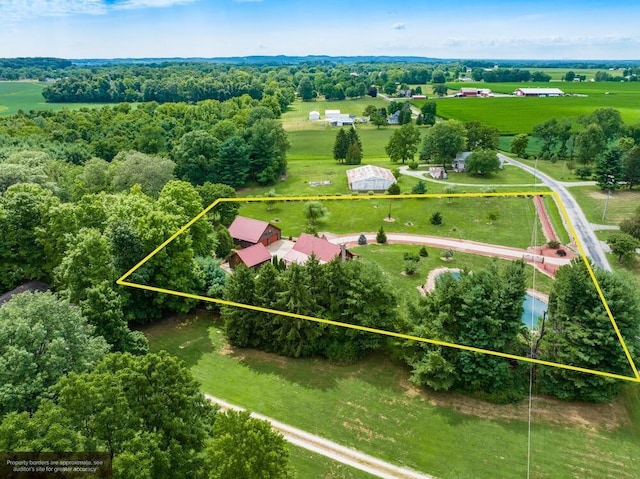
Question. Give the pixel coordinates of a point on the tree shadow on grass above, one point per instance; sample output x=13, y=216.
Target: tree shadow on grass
x=185, y=336
x=378, y=369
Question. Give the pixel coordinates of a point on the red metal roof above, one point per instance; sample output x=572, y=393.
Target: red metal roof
x=254, y=255
x=323, y=250
x=247, y=229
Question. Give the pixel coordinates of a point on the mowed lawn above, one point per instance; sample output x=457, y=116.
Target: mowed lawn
x=371, y=406
x=463, y=218
x=27, y=96
x=593, y=201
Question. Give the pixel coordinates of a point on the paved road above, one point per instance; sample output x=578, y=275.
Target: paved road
x=583, y=229
x=319, y=445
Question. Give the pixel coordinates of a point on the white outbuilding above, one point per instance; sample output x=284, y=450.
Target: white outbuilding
x=370, y=178
x=314, y=115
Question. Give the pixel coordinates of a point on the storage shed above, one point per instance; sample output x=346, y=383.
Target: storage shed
x=314, y=115
x=370, y=178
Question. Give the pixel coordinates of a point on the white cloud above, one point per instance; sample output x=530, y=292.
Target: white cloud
x=14, y=10
x=399, y=26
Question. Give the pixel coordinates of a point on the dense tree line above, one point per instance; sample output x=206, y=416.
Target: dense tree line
x=173, y=82
x=578, y=332
x=508, y=75
x=351, y=292
x=82, y=247
x=229, y=142
x=147, y=413
x=39, y=68
x=483, y=309
x=601, y=143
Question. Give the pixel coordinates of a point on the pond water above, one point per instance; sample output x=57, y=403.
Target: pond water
x=534, y=308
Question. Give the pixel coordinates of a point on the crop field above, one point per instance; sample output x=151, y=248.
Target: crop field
x=372, y=405
x=27, y=96
x=519, y=115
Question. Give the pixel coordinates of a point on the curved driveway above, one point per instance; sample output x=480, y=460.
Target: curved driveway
x=583, y=229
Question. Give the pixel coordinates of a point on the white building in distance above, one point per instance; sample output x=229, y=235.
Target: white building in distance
x=538, y=92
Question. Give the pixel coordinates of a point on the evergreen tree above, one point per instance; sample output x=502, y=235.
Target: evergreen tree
x=341, y=146
x=578, y=332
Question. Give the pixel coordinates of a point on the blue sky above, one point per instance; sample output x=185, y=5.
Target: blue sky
x=543, y=29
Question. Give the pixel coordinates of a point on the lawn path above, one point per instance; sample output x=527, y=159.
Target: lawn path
x=538, y=257
x=330, y=449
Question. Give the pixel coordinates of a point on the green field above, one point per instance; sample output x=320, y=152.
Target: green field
x=27, y=96
x=519, y=115
x=372, y=406
x=593, y=200
x=463, y=218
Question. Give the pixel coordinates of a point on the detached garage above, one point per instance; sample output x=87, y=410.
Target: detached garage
x=370, y=178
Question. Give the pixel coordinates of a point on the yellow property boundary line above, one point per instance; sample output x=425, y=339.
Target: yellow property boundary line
x=636, y=378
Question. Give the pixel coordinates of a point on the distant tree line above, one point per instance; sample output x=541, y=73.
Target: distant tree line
x=39, y=68
x=508, y=75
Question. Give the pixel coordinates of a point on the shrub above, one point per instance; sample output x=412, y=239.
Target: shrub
x=584, y=172
x=492, y=215
x=413, y=165
x=419, y=188
x=447, y=254
x=410, y=267
x=436, y=219
x=411, y=257
x=423, y=252
x=381, y=236
x=362, y=240
x=394, y=189
x=553, y=244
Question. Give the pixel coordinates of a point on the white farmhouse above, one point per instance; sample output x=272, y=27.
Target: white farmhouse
x=370, y=178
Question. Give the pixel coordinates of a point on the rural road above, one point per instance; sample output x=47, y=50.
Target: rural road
x=583, y=229
x=356, y=459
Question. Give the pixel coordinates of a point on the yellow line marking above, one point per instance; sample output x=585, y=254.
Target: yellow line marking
x=636, y=378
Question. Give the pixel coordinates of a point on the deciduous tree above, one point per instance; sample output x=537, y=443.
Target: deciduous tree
x=42, y=338
x=403, y=144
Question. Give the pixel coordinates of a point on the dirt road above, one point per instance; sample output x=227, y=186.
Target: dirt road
x=372, y=465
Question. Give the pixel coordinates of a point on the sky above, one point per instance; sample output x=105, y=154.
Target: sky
x=460, y=29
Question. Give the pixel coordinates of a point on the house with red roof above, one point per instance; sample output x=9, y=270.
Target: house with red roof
x=248, y=232
x=307, y=245
x=254, y=256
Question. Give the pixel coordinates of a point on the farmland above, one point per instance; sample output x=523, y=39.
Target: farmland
x=519, y=115
x=27, y=96
x=372, y=404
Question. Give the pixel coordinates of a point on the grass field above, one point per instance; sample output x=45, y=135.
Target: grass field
x=463, y=218
x=27, y=96
x=593, y=200
x=310, y=465
x=297, y=115
x=373, y=407
x=519, y=115
x=391, y=260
